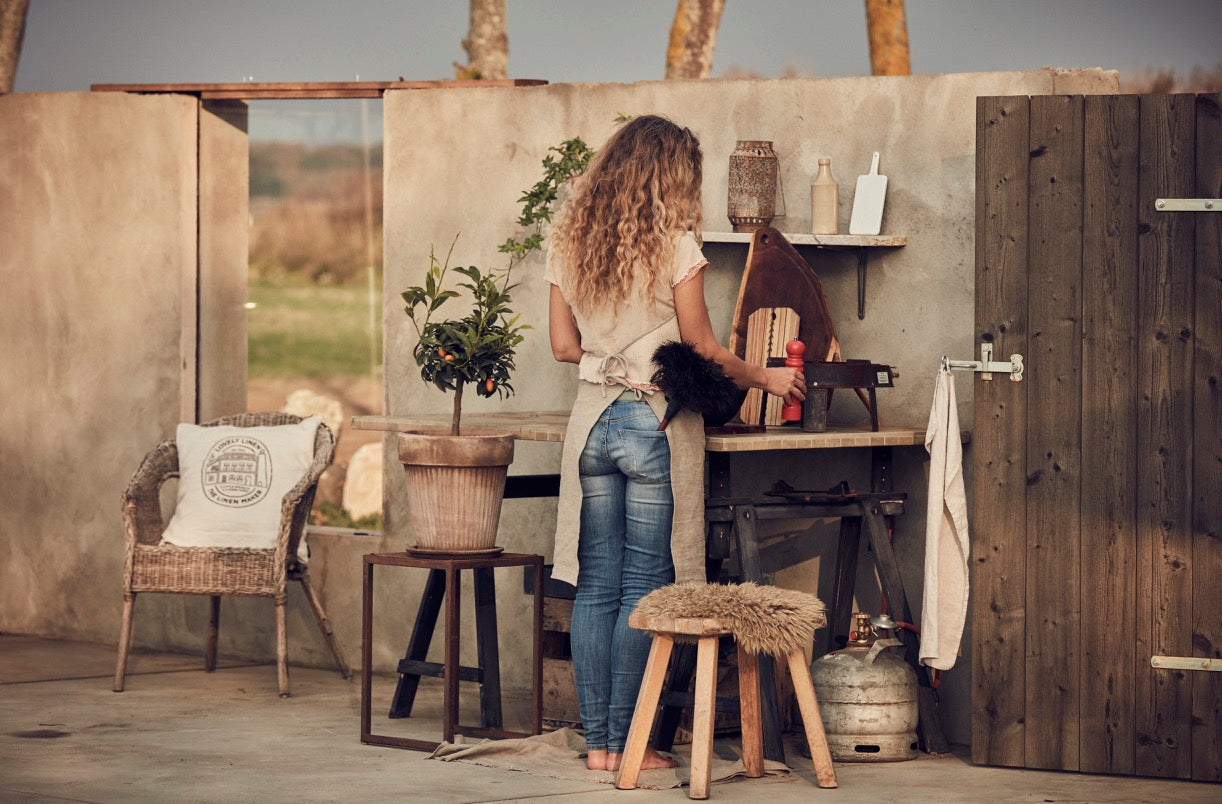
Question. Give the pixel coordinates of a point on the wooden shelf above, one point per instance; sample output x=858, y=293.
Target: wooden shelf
x=822, y=241
x=838, y=241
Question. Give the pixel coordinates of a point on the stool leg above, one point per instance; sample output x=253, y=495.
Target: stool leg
x=702, y=717
x=749, y=713
x=643, y=714
x=816, y=737
x=683, y=667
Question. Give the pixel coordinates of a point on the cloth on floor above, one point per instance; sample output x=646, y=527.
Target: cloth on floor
x=944, y=603
x=558, y=754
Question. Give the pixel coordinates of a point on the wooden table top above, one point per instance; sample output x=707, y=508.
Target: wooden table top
x=550, y=425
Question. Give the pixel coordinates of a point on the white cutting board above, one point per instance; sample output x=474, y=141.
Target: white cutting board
x=868, y=202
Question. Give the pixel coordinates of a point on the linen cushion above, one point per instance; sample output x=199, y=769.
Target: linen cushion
x=232, y=481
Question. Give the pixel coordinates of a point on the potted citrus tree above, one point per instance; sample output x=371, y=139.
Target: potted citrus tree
x=456, y=481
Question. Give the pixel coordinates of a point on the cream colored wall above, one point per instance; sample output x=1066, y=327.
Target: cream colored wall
x=224, y=202
x=97, y=232
x=457, y=160
x=124, y=268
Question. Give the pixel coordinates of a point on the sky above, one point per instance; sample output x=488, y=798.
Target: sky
x=71, y=44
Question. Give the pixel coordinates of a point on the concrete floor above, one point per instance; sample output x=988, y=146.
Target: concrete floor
x=179, y=734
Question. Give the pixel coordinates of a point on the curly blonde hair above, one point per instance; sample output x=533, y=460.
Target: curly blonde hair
x=621, y=222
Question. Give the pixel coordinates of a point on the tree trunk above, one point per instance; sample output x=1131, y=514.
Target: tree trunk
x=487, y=42
x=693, y=35
x=12, y=31
x=456, y=416
x=888, y=37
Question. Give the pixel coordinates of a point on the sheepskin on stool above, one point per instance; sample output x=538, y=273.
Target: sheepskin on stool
x=763, y=619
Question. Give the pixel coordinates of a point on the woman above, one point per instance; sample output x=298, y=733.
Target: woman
x=626, y=275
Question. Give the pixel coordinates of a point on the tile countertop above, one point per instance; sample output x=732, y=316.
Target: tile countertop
x=550, y=426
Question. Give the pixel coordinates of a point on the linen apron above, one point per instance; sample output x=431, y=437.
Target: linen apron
x=619, y=345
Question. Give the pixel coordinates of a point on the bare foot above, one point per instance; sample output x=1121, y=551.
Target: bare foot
x=597, y=759
x=651, y=761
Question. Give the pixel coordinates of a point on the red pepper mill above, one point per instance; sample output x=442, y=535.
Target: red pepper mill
x=794, y=351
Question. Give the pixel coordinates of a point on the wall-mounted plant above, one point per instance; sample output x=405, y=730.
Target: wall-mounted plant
x=478, y=348
x=571, y=159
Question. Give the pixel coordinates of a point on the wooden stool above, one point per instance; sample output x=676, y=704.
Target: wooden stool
x=712, y=611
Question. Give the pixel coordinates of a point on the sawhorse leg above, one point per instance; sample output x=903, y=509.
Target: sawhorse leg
x=418, y=644
x=487, y=649
x=488, y=674
x=843, y=583
x=751, y=570
x=930, y=723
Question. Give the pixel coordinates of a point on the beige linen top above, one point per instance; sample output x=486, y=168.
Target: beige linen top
x=618, y=345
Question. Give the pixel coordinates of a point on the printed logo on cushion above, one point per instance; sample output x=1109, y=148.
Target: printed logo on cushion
x=237, y=472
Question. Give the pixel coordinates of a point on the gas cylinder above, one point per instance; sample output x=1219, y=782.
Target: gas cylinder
x=868, y=698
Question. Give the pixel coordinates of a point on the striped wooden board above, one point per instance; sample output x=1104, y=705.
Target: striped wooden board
x=768, y=330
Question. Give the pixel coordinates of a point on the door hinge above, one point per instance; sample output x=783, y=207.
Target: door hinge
x=1188, y=204
x=1186, y=663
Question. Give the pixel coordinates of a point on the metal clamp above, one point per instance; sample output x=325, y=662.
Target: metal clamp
x=985, y=366
x=1188, y=204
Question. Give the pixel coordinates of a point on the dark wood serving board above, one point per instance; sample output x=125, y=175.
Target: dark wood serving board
x=777, y=276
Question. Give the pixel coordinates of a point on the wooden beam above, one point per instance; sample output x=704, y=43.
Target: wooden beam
x=306, y=89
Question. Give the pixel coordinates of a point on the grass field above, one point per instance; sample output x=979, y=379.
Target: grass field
x=313, y=331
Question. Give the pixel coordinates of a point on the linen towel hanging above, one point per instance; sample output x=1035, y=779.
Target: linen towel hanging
x=944, y=602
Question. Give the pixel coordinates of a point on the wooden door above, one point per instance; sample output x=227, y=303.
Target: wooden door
x=1097, y=501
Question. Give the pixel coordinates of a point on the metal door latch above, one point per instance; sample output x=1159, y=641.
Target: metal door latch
x=1186, y=663
x=1188, y=204
x=985, y=366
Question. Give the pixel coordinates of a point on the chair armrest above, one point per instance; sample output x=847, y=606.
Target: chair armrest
x=296, y=504
x=142, y=498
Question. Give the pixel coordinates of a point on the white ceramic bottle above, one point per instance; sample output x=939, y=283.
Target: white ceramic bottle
x=824, y=200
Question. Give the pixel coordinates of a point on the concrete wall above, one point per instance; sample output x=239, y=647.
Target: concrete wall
x=123, y=261
x=97, y=231
x=457, y=161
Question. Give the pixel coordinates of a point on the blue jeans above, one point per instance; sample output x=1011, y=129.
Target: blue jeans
x=624, y=553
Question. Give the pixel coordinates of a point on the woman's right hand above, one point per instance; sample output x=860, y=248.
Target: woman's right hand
x=785, y=382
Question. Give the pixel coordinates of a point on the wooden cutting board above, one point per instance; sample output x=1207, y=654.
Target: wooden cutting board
x=777, y=276
x=768, y=330
x=868, y=200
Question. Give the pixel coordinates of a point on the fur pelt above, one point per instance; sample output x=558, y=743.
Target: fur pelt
x=690, y=380
x=764, y=619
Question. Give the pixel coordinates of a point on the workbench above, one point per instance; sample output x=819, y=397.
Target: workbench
x=732, y=522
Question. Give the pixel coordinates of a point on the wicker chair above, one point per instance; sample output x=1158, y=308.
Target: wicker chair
x=149, y=566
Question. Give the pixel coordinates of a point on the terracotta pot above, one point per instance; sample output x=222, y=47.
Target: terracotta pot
x=454, y=488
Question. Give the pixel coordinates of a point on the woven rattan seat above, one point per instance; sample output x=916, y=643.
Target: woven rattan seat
x=150, y=566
